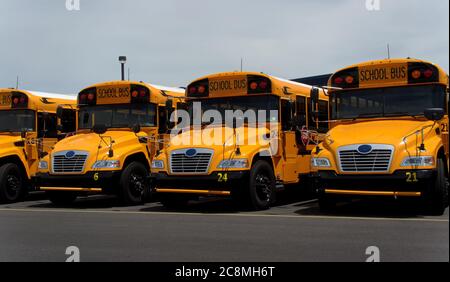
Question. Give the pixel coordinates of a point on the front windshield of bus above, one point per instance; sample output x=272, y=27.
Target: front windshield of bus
x=266, y=106
x=17, y=121
x=387, y=102
x=118, y=116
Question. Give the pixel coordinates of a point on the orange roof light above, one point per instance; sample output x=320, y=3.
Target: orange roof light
x=416, y=74
x=349, y=79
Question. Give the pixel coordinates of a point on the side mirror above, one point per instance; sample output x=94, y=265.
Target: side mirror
x=99, y=129
x=136, y=128
x=315, y=95
x=169, y=104
x=23, y=134
x=434, y=114
x=59, y=112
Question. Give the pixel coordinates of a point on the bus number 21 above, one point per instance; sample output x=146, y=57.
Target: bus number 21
x=411, y=177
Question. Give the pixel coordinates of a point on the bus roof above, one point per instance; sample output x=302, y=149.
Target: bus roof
x=40, y=101
x=280, y=86
x=173, y=90
x=387, y=73
x=72, y=97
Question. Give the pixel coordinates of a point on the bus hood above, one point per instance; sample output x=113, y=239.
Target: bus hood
x=7, y=142
x=92, y=143
x=222, y=139
x=391, y=132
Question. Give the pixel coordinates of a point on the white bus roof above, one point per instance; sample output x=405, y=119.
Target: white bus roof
x=53, y=95
x=165, y=88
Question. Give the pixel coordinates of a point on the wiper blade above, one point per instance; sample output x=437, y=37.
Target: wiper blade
x=8, y=130
x=401, y=114
x=368, y=115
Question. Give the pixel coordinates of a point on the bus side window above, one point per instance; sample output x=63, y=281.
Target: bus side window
x=311, y=123
x=68, y=121
x=47, y=124
x=286, y=115
x=323, y=117
x=301, y=109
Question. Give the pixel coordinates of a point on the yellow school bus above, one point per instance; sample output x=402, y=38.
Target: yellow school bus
x=120, y=125
x=246, y=158
x=389, y=135
x=29, y=127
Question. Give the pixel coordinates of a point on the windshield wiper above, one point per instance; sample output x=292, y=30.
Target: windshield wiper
x=8, y=130
x=399, y=114
x=368, y=115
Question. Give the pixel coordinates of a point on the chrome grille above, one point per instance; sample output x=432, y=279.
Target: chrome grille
x=198, y=164
x=62, y=164
x=378, y=160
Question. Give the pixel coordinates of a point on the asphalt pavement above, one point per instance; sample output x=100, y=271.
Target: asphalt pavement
x=213, y=230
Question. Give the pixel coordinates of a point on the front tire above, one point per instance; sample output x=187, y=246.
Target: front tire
x=134, y=186
x=262, y=186
x=12, y=184
x=436, y=198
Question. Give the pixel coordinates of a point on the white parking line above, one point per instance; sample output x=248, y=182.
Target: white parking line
x=223, y=215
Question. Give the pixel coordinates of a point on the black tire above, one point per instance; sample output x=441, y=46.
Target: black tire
x=327, y=203
x=261, y=193
x=174, y=201
x=61, y=198
x=12, y=185
x=134, y=185
x=436, y=198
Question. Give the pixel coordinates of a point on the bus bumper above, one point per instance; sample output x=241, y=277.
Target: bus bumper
x=95, y=182
x=215, y=184
x=403, y=183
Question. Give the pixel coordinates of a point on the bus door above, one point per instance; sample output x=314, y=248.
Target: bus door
x=288, y=146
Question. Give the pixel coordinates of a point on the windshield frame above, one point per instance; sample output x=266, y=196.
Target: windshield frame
x=231, y=102
x=381, y=95
x=83, y=109
x=15, y=130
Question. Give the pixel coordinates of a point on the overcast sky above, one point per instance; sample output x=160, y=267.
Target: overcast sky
x=172, y=42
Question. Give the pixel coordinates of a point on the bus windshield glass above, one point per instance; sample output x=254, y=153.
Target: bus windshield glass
x=17, y=121
x=118, y=116
x=387, y=102
x=267, y=106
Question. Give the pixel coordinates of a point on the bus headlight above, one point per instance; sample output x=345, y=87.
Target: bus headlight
x=418, y=161
x=106, y=164
x=243, y=163
x=320, y=162
x=157, y=164
x=43, y=165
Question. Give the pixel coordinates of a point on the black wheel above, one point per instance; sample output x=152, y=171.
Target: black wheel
x=61, y=198
x=134, y=185
x=174, y=201
x=326, y=203
x=12, y=184
x=261, y=186
x=436, y=198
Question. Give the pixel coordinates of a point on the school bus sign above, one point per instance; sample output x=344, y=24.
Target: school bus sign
x=113, y=95
x=389, y=74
